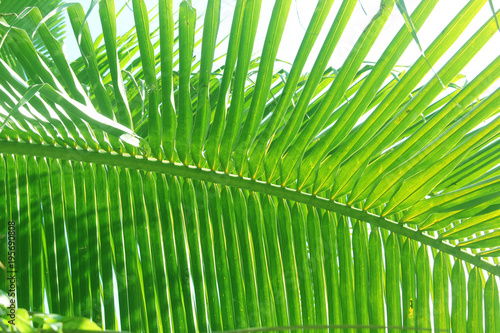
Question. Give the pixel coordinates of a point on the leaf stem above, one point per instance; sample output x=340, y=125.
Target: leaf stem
x=174, y=169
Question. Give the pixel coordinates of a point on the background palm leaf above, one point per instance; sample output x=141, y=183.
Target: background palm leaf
x=14, y=12
x=217, y=199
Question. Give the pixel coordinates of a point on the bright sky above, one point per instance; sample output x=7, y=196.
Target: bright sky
x=301, y=12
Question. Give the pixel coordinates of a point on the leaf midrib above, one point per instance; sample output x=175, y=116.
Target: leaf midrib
x=174, y=169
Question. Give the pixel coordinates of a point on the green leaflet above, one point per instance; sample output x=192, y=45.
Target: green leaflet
x=187, y=21
x=361, y=272
x=475, y=302
x=491, y=305
x=108, y=21
x=165, y=8
x=440, y=294
x=203, y=112
x=393, y=281
x=251, y=12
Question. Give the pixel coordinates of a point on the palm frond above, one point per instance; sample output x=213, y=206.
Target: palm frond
x=219, y=199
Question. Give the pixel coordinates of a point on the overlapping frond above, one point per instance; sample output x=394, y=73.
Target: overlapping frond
x=15, y=13
x=306, y=158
